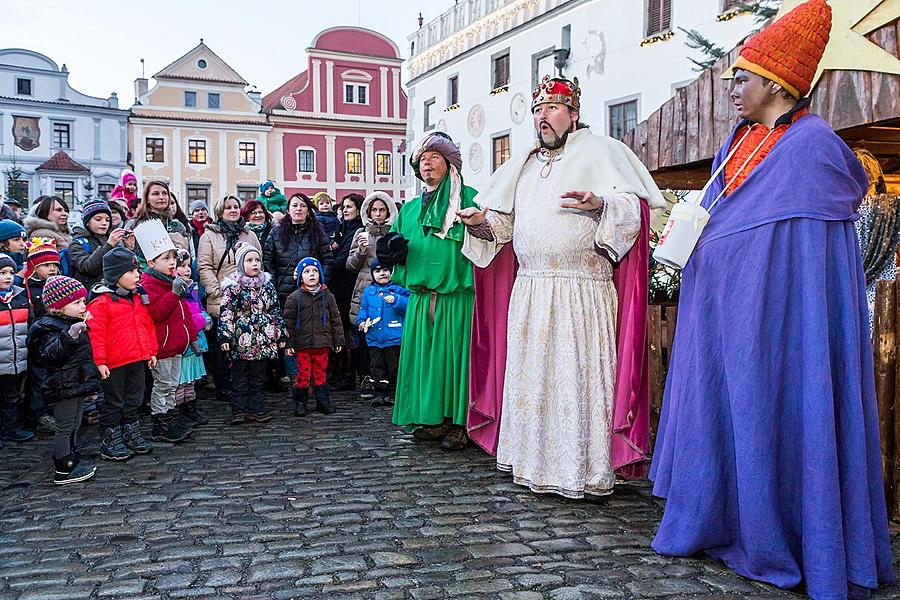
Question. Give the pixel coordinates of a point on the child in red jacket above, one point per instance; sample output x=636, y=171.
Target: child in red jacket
x=123, y=339
x=175, y=330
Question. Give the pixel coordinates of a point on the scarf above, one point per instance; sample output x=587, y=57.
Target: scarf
x=160, y=275
x=231, y=230
x=250, y=282
x=200, y=226
x=7, y=294
x=439, y=208
x=378, y=230
x=259, y=230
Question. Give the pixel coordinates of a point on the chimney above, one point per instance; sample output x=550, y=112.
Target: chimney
x=421, y=20
x=255, y=96
x=140, y=88
x=113, y=100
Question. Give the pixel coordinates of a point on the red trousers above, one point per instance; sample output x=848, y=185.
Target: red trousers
x=311, y=362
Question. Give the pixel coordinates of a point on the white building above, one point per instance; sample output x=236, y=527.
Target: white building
x=41, y=115
x=472, y=69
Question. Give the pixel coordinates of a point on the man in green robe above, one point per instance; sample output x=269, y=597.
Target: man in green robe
x=433, y=379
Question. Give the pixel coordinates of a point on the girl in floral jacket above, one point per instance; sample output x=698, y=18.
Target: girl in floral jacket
x=251, y=330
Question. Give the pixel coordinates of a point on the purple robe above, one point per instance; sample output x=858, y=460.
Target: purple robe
x=631, y=408
x=768, y=452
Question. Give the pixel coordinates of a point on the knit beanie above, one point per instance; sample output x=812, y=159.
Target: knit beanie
x=40, y=251
x=318, y=196
x=266, y=185
x=307, y=262
x=9, y=229
x=94, y=207
x=788, y=51
x=60, y=290
x=198, y=204
x=128, y=175
x=242, y=250
x=7, y=261
x=376, y=264
x=116, y=263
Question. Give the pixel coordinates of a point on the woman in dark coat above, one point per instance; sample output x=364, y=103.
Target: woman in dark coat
x=297, y=235
x=341, y=285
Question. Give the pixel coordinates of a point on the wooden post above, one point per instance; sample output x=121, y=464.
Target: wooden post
x=889, y=446
x=884, y=340
x=654, y=341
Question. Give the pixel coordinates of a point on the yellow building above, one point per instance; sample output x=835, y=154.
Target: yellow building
x=199, y=130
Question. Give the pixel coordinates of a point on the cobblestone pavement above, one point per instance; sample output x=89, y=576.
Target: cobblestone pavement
x=345, y=506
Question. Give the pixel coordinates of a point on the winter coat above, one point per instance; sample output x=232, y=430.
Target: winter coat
x=8, y=213
x=359, y=263
x=121, y=328
x=280, y=259
x=215, y=262
x=86, y=256
x=61, y=368
x=37, y=227
x=14, y=319
x=330, y=223
x=389, y=330
x=250, y=319
x=315, y=329
x=175, y=328
x=276, y=202
x=35, y=289
x=343, y=280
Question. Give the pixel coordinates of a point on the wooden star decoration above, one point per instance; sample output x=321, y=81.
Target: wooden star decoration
x=848, y=49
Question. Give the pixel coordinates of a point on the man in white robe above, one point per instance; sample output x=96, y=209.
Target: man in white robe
x=572, y=209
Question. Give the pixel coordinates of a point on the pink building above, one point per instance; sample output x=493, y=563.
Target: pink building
x=340, y=125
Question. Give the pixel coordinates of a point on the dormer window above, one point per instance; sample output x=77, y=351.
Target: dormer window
x=356, y=86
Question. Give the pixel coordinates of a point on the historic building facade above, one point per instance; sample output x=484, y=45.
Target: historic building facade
x=340, y=125
x=199, y=129
x=472, y=69
x=53, y=138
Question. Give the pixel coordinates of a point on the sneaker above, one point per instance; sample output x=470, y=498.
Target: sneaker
x=134, y=439
x=71, y=470
x=366, y=388
x=456, y=439
x=112, y=446
x=431, y=433
x=47, y=424
x=262, y=417
x=238, y=419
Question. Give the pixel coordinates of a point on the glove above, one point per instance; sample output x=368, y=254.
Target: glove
x=76, y=329
x=391, y=249
x=180, y=286
x=196, y=347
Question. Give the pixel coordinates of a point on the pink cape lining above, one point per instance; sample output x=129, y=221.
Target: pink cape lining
x=631, y=406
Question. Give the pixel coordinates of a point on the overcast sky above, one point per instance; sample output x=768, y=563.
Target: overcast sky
x=102, y=41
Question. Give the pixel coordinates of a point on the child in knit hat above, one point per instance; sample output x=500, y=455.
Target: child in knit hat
x=314, y=326
x=272, y=198
x=382, y=309
x=192, y=367
x=41, y=263
x=62, y=367
x=12, y=243
x=251, y=330
x=123, y=338
x=17, y=314
x=92, y=241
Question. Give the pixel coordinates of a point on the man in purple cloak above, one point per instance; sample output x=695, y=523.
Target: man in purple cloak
x=767, y=452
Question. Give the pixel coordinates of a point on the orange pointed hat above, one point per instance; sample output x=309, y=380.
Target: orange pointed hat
x=789, y=50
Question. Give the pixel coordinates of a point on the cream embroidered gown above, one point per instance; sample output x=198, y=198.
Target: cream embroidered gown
x=555, y=427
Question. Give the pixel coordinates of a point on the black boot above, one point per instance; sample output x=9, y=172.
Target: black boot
x=112, y=446
x=323, y=399
x=134, y=439
x=181, y=418
x=301, y=395
x=165, y=429
x=193, y=412
x=10, y=425
x=70, y=469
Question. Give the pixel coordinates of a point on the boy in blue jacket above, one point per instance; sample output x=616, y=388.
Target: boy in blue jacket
x=381, y=312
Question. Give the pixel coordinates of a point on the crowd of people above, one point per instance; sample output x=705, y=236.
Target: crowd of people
x=139, y=304
x=514, y=316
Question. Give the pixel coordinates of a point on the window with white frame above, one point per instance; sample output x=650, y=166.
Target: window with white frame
x=23, y=86
x=354, y=162
x=104, y=190
x=190, y=99
x=429, y=107
x=383, y=163
x=197, y=152
x=306, y=160
x=659, y=16
x=62, y=135
x=213, y=100
x=65, y=190
x=356, y=93
x=155, y=150
x=622, y=118
x=197, y=192
x=246, y=154
x=246, y=192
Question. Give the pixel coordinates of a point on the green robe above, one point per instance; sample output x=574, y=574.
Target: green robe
x=433, y=377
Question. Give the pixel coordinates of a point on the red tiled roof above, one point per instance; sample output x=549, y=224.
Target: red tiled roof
x=272, y=100
x=63, y=162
